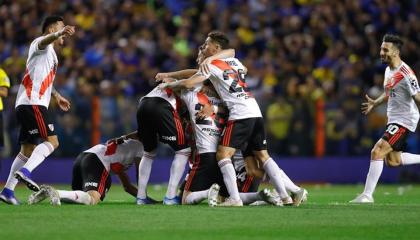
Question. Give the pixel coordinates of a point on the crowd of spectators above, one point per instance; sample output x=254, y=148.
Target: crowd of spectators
x=299, y=53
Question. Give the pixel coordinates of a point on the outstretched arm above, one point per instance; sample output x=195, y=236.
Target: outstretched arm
x=186, y=73
x=125, y=181
x=48, y=39
x=227, y=53
x=185, y=83
x=370, y=104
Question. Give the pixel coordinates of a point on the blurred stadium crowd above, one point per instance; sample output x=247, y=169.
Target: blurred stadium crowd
x=298, y=53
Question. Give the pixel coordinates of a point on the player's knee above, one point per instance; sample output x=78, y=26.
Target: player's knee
x=261, y=156
x=376, y=153
x=95, y=197
x=392, y=161
x=27, y=149
x=54, y=141
x=222, y=155
x=258, y=173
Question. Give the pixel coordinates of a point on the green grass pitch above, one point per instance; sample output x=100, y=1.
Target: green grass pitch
x=326, y=215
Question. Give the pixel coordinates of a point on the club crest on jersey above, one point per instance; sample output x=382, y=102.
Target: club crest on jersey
x=51, y=127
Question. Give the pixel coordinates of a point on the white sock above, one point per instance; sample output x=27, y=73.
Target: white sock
x=248, y=198
x=39, y=154
x=409, y=158
x=375, y=170
x=177, y=170
x=196, y=197
x=229, y=177
x=145, y=167
x=273, y=171
x=288, y=184
x=19, y=161
x=75, y=197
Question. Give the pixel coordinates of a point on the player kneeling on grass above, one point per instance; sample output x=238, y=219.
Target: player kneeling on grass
x=91, y=179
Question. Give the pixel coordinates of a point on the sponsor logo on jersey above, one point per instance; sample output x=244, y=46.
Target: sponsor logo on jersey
x=169, y=138
x=91, y=184
x=231, y=63
x=33, y=131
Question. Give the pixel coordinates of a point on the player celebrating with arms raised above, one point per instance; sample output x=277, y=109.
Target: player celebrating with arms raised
x=32, y=103
x=402, y=92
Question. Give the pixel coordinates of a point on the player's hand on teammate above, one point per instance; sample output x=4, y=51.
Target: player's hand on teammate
x=168, y=80
x=163, y=86
x=62, y=102
x=204, y=66
x=368, y=106
x=118, y=140
x=67, y=31
x=160, y=76
x=206, y=111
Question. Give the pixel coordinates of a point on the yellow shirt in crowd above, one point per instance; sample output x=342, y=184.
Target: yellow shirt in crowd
x=4, y=82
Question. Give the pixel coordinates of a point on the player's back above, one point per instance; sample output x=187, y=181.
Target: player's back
x=118, y=156
x=41, y=67
x=400, y=86
x=166, y=94
x=228, y=78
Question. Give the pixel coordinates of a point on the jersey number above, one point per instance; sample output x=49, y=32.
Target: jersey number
x=392, y=129
x=238, y=78
x=218, y=119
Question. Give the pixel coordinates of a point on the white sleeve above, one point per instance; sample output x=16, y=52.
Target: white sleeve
x=35, y=46
x=413, y=84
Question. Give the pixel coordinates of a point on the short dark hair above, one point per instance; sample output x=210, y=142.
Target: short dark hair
x=394, y=39
x=219, y=38
x=48, y=21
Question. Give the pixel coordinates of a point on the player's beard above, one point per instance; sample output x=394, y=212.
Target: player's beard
x=385, y=60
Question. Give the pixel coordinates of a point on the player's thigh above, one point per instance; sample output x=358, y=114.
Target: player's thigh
x=252, y=167
x=147, y=125
x=77, y=180
x=95, y=197
x=258, y=142
x=203, y=172
x=170, y=129
x=27, y=148
x=396, y=136
x=249, y=184
x=94, y=175
x=224, y=152
x=237, y=133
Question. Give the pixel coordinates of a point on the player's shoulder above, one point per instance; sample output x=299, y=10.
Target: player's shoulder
x=36, y=40
x=227, y=63
x=406, y=70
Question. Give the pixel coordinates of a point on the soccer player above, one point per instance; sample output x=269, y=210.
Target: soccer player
x=245, y=124
x=402, y=93
x=91, y=173
x=158, y=120
x=32, y=103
